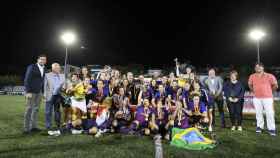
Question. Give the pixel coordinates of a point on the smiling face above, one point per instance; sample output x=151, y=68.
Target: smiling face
x=42, y=60
x=100, y=85
x=211, y=73
x=259, y=68
x=121, y=91
x=164, y=80
x=84, y=71
x=196, y=86
x=188, y=70
x=187, y=86
x=117, y=74
x=146, y=102
x=125, y=83
x=141, y=78
x=161, y=88
x=196, y=100
x=130, y=76
x=87, y=81
x=233, y=76
x=153, y=82
x=74, y=77
x=174, y=84
x=56, y=68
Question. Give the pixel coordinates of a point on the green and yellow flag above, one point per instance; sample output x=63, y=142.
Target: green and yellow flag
x=190, y=139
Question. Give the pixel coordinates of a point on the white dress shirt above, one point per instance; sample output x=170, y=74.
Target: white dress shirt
x=41, y=68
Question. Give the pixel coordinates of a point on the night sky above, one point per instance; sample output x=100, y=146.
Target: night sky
x=145, y=32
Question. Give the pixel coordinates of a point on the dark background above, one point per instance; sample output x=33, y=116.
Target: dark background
x=151, y=33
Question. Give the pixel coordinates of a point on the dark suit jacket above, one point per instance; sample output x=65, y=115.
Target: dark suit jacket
x=33, y=81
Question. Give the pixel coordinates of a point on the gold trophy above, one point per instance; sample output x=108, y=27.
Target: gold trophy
x=196, y=110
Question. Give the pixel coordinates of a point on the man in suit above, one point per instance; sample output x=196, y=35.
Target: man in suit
x=34, y=87
x=52, y=86
x=214, y=85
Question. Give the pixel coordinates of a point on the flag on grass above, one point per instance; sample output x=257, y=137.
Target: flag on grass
x=191, y=139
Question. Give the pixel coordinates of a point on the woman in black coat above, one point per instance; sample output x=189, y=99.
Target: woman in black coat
x=234, y=93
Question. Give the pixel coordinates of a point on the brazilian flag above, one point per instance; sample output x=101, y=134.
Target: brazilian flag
x=190, y=139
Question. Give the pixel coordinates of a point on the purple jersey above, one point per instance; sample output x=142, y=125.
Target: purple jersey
x=173, y=93
x=202, y=107
x=205, y=98
x=99, y=96
x=94, y=82
x=185, y=94
x=160, y=96
x=140, y=111
x=152, y=90
x=184, y=122
x=164, y=115
x=147, y=95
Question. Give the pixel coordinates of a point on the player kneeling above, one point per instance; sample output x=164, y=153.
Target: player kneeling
x=144, y=119
x=197, y=112
x=99, y=121
x=178, y=119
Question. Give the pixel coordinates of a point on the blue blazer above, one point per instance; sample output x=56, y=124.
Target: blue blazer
x=33, y=81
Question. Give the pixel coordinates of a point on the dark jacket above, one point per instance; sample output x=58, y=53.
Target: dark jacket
x=234, y=90
x=33, y=81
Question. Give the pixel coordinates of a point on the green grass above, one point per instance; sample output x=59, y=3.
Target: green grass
x=14, y=144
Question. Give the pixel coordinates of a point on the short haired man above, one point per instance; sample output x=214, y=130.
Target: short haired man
x=262, y=84
x=34, y=87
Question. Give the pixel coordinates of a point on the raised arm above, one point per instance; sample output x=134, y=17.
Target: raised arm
x=177, y=71
x=177, y=67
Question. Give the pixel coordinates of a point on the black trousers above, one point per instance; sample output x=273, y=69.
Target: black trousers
x=235, y=112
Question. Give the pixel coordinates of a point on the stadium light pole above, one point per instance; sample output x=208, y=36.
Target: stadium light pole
x=257, y=35
x=67, y=38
